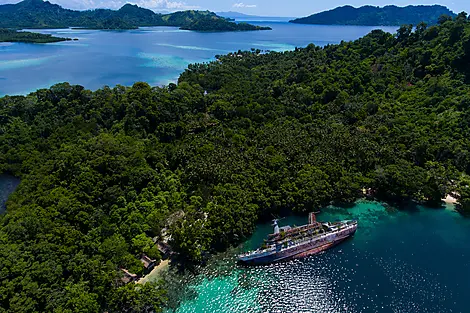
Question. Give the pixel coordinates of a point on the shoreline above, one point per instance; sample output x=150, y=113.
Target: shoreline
x=155, y=272
x=450, y=199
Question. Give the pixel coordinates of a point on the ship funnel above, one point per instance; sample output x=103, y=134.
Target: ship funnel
x=312, y=219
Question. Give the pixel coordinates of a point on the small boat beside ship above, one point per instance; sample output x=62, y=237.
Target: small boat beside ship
x=288, y=243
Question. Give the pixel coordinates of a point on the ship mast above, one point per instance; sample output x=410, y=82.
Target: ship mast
x=276, y=226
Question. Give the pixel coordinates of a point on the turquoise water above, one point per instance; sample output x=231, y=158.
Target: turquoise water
x=413, y=260
x=8, y=184
x=156, y=55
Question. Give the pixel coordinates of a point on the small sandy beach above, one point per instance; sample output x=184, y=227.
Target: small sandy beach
x=154, y=273
x=450, y=200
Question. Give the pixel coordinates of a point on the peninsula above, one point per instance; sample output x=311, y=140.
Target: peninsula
x=43, y=14
x=8, y=35
x=376, y=16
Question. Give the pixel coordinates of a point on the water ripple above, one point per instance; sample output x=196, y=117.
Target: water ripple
x=381, y=269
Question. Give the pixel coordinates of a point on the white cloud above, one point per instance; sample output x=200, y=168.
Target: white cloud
x=164, y=5
x=243, y=5
x=156, y=5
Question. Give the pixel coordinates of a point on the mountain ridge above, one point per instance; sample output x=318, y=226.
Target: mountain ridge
x=368, y=15
x=43, y=14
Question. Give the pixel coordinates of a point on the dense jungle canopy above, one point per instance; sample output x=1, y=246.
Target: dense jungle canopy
x=238, y=139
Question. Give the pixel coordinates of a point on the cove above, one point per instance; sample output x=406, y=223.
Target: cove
x=8, y=184
x=411, y=260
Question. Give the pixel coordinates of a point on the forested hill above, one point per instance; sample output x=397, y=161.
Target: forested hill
x=374, y=16
x=43, y=14
x=246, y=136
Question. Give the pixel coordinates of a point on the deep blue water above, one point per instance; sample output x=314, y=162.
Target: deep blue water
x=156, y=55
x=410, y=261
x=8, y=184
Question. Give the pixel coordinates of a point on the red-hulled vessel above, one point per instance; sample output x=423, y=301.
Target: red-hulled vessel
x=288, y=243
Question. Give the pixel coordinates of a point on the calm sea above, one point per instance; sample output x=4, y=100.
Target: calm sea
x=156, y=55
x=408, y=261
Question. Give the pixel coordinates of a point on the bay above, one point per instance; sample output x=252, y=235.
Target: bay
x=411, y=260
x=156, y=55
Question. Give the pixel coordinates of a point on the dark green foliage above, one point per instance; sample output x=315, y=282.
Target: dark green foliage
x=238, y=139
x=36, y=14
x=465, y=201
x=373, y=16
x=148, y=298
x=464, y=196
x=39, y=14
x=220, y=24
x=206, y=21
x=7, y=35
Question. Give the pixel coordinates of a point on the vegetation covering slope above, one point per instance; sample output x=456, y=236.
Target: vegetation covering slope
x=239, y=139
x=40, y=14
x=8, y=35
x=373, y=16
x=217, y=24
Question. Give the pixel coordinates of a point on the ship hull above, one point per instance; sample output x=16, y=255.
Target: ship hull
x=302, y=252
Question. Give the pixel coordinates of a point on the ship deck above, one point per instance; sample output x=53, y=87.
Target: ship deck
x=296, y=241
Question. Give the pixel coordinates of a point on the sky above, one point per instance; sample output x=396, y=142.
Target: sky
x=290, y=8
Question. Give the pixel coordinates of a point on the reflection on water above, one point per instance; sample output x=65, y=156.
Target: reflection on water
x=8, y=184
x=398, y=261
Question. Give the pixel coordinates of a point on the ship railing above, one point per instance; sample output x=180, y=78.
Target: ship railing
x=300, y=242
x=323, y=236
x=302, y=239
x=295, y=230
x=301, y=232
x=258, y=251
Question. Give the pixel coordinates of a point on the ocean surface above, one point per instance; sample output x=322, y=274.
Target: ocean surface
x=8, y=184
x=156, y=55
x=400, y=261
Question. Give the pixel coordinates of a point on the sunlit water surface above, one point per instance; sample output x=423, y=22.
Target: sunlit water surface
x=414, y=260
x=156, y=55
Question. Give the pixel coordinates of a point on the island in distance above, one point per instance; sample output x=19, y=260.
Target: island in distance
x=376, y=16
x=11, y=35
x=43, y=14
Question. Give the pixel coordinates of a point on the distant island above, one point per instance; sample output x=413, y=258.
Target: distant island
x=374, y=16
x=211, y=24
x=8, y=35
x=43, y=14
